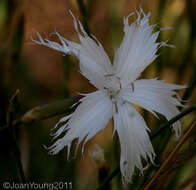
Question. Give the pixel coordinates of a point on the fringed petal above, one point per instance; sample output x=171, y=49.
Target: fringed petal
x=91, y=116
x=134, y=140
x=156, y=96
x=138, y=48
x=94, y=62
x=63, y=47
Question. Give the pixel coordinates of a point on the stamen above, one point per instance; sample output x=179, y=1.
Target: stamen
x=116, y=107
x=119, y=82
x=132, y=86
x=109, y=75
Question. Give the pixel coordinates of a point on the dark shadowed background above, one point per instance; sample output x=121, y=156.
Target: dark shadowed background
x=44, y=76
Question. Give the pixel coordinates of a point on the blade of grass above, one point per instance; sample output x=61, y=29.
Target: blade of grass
x=191, y=86
x=12, y=110
x=84, y=15
x=160, y=64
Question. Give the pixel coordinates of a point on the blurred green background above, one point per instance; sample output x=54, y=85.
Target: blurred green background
x=44, y=76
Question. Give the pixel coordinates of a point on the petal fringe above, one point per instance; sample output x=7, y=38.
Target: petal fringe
x=91, y=116
x=138, y=48
x=156, y=96
x=94, y=62
x=134, y=140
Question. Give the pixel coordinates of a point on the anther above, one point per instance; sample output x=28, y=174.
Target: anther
x=116, y=107
x=109, y=75
x=132, y=86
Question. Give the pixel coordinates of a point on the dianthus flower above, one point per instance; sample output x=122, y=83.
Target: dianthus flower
x=117, y=91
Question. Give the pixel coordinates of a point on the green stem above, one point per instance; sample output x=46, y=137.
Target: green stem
x=157, y=131
x=12, y=110
x=49, y=110
x=190, y=48
x=154, y=134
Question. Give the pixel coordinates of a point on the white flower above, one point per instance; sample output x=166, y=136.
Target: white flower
x=117, y=91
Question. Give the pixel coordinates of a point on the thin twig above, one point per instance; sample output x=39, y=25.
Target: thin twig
x=171, y=155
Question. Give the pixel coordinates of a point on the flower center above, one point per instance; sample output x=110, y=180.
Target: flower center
x=112, y=84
